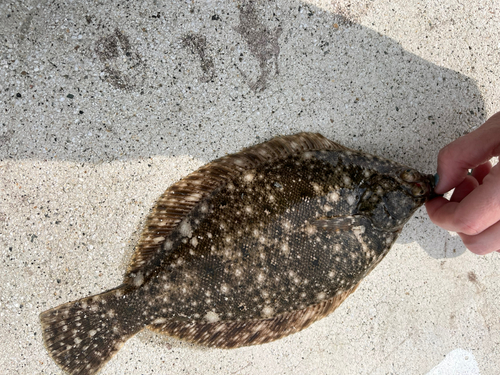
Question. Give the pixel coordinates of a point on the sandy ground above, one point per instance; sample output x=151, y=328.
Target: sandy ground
x=105, y=104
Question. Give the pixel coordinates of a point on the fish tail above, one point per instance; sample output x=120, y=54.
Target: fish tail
x=81, y=336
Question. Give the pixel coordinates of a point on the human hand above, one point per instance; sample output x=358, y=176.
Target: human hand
x=473, y=210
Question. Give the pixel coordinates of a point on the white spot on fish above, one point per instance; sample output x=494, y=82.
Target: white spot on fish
x=224, y=288
x=212, y=317
x=287, y=225
x=248, y=177
x=267, y=311
x=333, y=197
x=185, y=229
x=310, y=229
x=138, y=280
x=317, y=188
x=261, y=277
x=285, y=249
x=159, y=321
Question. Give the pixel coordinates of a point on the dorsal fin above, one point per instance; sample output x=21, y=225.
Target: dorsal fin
x=180, y=198
x=234, y=334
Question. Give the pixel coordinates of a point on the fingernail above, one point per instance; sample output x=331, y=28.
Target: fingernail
x=436, y=179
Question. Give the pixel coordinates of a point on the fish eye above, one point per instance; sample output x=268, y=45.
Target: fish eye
x=410, y=175
x=417, y=190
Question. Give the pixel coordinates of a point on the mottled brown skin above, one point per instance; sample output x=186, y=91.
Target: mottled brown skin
x=250, y=248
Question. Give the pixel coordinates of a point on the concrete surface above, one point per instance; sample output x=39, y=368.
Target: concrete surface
x=105, y=104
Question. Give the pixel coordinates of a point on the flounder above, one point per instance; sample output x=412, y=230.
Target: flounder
x=249, y=248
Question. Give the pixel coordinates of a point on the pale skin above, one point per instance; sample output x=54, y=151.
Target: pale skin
x=473, y=210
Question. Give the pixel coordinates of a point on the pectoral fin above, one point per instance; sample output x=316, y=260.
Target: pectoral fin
x=339, y=223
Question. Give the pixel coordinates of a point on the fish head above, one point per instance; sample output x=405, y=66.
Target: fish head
x=391, y=198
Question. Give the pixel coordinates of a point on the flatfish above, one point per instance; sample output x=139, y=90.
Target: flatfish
x=249, y=248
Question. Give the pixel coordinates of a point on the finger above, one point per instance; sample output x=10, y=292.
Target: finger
x=481, y=171
x=485, y=242
x=439, y=209
x=464, y=189
x=476, y=212
x=468, y=152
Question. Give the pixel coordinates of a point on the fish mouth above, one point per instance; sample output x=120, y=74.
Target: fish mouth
x=431, y=182
x=424, y=188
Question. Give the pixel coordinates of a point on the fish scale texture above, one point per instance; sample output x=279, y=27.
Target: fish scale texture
x=250, y=248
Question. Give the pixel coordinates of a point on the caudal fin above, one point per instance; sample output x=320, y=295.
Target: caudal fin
x=83, y=335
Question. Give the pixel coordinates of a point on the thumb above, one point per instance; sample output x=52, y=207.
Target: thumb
x=468, y=152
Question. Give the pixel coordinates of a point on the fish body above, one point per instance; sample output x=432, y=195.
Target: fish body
x=250, y=248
